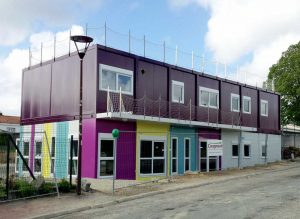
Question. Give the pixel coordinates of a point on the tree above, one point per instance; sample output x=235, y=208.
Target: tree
x=285, y=77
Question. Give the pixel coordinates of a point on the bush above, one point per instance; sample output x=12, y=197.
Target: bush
x=287, y=151
x=2, y=191
x=47, y=187
x=24, y=188
x=64, y=186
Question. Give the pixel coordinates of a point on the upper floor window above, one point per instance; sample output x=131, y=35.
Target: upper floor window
x=177, y=92
x=116, y=79
x=246, y=104
x=264, y=108
x=235, y=102
x=209, y=97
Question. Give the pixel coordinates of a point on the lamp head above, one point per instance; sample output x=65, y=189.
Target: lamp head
x=81, y=40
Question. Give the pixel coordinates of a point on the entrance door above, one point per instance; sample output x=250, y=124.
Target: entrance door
x=106, y=158
x=174, y=155
x=207, y=163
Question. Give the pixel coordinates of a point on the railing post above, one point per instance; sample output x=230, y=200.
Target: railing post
x=71, y=158
x=176, y=55
x=179, y=109
x=144, y=46
x=105, y=34
x=54, y=49
x=70, y=43
x=164, y=51
x=208, y=115
x=192, y=60
x=7, y=165
x=202, y=64
x=41, y=53
x=107, y=101
x=159, y=106
x=29, y=50
x=129, y=42
x=120, y=101
x=190, y=111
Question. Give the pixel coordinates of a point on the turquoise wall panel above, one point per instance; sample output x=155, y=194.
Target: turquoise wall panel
x=61, y=155
x=181, y=133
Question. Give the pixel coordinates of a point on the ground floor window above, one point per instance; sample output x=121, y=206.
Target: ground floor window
x=52, y=155
x=246, y=150
x=74, y=157
x=38, y=156
x=174, y=154
x=187, y=154
x=152, y=157
x=235, y=150
x=106, y=157
x=263, y=151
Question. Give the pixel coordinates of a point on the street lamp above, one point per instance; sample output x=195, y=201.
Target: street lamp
x=85, y=41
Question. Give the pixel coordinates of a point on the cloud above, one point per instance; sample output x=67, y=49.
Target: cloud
x=238, y=29
x=12, y=65
x=20, y=18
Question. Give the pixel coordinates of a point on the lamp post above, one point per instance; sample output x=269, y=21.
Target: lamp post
x=85, y=41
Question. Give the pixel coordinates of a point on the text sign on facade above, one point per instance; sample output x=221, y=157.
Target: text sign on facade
x=214, y=148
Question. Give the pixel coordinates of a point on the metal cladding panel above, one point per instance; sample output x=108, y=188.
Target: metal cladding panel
x=89, y=148
x=228, y=117
x=111, y=59
x=206, y=133
x=36, y=92
x=126, y=149
x=65, y=87
x=205, y=114
x=270, y=122
x=250, y=120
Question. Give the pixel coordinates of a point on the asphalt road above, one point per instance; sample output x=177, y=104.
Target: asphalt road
x=271, y=195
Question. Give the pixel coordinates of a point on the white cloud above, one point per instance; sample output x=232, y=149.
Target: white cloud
x=18, y=59
x=19, y=18
x=261, y=29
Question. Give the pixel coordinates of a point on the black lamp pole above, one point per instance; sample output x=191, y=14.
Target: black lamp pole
x=83, y=40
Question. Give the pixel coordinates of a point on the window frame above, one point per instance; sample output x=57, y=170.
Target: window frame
x=249, y=145
x=174, y=158
x=185, y=157
x=38, y=157
x=178, y=83
x=234, y=156
x=232, y=96
x=152, y=158
x=118, y=71
x=248, y=99
x=105, y=136
x=209, y=90
x=75, y=138
x=267, y=107
x=263, y=156
x=52, y=158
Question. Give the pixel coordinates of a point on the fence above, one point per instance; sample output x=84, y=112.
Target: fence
x=104, y=35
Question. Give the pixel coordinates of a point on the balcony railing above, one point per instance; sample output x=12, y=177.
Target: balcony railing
x=122, y=104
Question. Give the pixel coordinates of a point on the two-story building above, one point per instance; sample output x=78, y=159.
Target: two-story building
x=167, y=115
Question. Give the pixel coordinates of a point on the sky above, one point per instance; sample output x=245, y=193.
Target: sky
x=237, y=39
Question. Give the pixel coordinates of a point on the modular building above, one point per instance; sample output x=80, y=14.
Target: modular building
x=171, y=120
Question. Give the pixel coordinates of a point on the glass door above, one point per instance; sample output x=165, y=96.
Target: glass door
x=106, y=158
x=203, y=156
x=174, y=155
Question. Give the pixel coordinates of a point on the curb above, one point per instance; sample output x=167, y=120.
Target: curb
x=148, y=194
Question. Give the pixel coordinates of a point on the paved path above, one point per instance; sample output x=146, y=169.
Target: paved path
x=269, y=195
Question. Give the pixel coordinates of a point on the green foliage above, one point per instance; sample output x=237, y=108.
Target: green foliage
x=47, y=187
x=25, y=188
x=64, y=186
x=287, y=152
x=2, y=191
x=285, y=75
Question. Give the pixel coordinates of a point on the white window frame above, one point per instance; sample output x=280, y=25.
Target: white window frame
x=118, y=71
x=27, y=156
x=173, y=158
x=17, y=156
x=185, y=157
x=234, y=143
x=209, y=90
x=153, y=139
x=38, y=157
x=267, y=108
x=232, y=96
x=247, y=99
x=105, y=136
x=263, y=145
x=75, y=138
x=245, y=143
x=52, y=157
x=178, y=83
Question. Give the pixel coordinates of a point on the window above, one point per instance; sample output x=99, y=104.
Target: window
x=11, y=129
x=38, y=157
x=209, y=97
x=106, y=159
x=53, y=155
x=235, y=150
x=187, y=154
x=25, y=154
x=116, y=79
x=177, y=92
x=246, y=150
x=174, y=154
x=235, y=103
x=74, y=157
x=263, y=151
x=152, y=157
x=264, y=108
x=246, y=104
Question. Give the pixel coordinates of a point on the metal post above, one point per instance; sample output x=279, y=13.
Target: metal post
x=86, y=29
x=41, y=53
x=144, y=46
x=129, y=39
x=217, y=67
x=239, y=149
x=208, y=115
x=167, y=154
x=105, y=34
x=7, y=166
x=70, y=43
x=202, y=64
x=176, y=55
x=225, y=67
x=266, y=146
x=71, y=159
x=29, y=50
x=54, y=47
x=192, y=60
x=120, y=101
x=164, y=51
x=80, y=134
x=115, y=165
x=237, y=72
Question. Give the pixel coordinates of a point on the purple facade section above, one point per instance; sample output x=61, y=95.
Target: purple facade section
x=206, y=133
x=250, y=120
x=31, y=159
x=126, y=146
x=89, y=148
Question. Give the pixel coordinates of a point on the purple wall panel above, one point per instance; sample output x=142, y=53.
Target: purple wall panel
x=250, y=120
x=126, y=146
x=31, y=159
x=206, y=133
x=89, y=148
x=271, y=122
